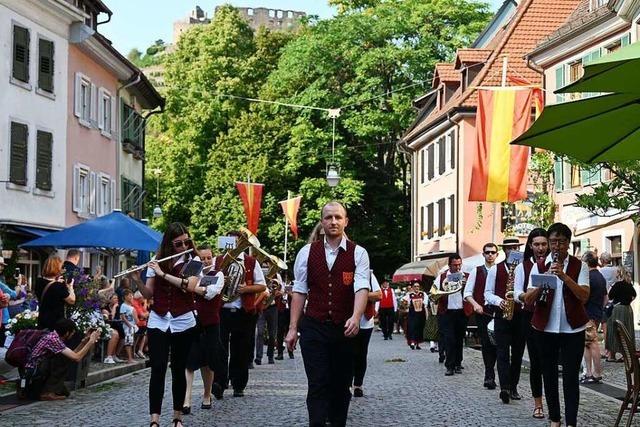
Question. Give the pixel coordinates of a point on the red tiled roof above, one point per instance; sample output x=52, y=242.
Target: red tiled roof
x=471, y=56
x=534, y=20
x=445, y=72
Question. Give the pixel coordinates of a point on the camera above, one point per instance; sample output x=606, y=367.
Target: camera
x=16, y=274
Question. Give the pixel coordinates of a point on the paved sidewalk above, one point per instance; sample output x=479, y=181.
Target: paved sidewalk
x=402, y=387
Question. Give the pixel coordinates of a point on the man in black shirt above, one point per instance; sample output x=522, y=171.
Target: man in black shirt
x=70, y=265
x=594, y=307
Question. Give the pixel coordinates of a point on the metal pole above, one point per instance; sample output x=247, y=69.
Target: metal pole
x=286, y=231
x=505, y=66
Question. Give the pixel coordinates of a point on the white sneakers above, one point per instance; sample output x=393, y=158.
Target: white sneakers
x=112, y=360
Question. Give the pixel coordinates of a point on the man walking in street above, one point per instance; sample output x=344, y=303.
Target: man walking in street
x=387, y=311
x=333, y=274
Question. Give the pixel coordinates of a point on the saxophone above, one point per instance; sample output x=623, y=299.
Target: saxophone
x=512, y=262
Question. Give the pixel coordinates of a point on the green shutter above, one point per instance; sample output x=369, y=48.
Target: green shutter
x=595, y=55
x=624, y=41
x=20, y=54
x=45, y=66
x=558, y=175
x=559, y=82
x=44, y=146
x=18, y=159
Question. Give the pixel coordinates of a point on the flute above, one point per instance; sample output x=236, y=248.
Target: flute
x=143, y=266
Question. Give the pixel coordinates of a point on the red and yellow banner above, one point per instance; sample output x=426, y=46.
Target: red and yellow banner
x=251, y=195
x=538, y=93
x=290, y=209
x=500, y=170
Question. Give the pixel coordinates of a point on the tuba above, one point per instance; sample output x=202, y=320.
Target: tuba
x=233, y=270
x=275, y=265
x=454, y=282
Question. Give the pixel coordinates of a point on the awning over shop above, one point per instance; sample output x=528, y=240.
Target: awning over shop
x=415, y=271
x=34, y=231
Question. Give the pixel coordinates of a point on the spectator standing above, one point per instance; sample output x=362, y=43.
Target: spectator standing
x=6, y=290
x=129, y=319
x=140, y=305
x=621, y=295
x=125, y=284
x=594, y=307
x=17, y=305
x=608, y=270
x=53, y=293
x=70, y=265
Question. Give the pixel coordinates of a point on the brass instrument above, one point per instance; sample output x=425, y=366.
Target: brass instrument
x=512, y=262
x=275, y=265
x=143, y=266
x=233, y=270
x=448, y=287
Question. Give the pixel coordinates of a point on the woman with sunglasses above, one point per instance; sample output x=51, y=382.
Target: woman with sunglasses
x=536, y=250
x=171, y=323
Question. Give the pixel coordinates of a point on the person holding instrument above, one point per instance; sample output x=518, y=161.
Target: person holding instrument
x=171, y=323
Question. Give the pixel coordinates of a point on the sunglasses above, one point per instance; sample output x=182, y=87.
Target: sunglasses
x=490, y=252
x=181, y=243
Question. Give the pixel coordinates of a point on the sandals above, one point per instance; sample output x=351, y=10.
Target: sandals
x=176, y=421
x=154, y=424
x=205, y=405
x=538, y=412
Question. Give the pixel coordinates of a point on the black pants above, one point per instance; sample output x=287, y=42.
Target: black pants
x=441, y=341
x=161, y=344
x=567, y=349
x=328, y=363
x=535, y=367
x=455, y=327
x=360, y=351
x=237, y=331
x=269, y=319
x=48, y=377
x=387, y=320
x=489, y=354
x=283, y=328
x=511, y=337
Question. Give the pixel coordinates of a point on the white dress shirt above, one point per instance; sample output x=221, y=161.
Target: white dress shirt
x=361, y=276
x=518, y=281
x=364, y=323
x=454, y=300
x=490, y=288
x=258, y=279
x=558, y=322
x=471, y=282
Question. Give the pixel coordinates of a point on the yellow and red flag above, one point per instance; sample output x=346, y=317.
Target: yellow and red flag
x=251, y=195
x=290, y=209
x=538, y=93
x=500, y=170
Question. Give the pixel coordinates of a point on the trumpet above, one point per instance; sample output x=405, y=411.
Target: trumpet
x=146, y=264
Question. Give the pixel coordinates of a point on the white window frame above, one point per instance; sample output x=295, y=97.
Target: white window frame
x=106, y=113
x=82, y=189
x=83, y=99
x=103, y=194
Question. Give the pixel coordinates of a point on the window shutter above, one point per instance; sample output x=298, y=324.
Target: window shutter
x=452, y=224
x=93, y=104
x=624, y=41
x=99, y=195
x=113, y=115
x=18, y=160
x=595, y=55
x=559, y=82
x=430, y=220
x=441, y=217
x=21, y=54
x=422, y=166
x=44, y=144
x=77, y=110
x=100, y=102
x=46, y=65
x=558, y=176
x=442, y=154
x=75, y=196
x=92, y=193
x=585, y=176
x=112, y=205
x=430, y=160
x=453, y=150
x=421, y=221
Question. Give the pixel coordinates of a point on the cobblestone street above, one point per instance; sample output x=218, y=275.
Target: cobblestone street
x=402, y=387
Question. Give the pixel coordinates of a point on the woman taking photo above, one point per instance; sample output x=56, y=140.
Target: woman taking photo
x=53, y=293
x=621, y=295
x=171, y=323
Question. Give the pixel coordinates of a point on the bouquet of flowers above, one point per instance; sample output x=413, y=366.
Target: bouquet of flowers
x=26, y=320
x=86, y=311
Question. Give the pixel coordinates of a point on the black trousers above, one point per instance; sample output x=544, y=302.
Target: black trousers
x=535, y=366
x=387, y=320
x=442, y=346
x=489, y=352
x=511, y=337
x=283, y=328
x=237, y=332
x=567, y=349
x=161, y=344
x=328, y=363
x=360, y=351
x=269, y=319
x=455, y=327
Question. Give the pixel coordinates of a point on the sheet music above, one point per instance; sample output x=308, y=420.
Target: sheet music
x=208, y=280
x=515, y=257
x=454, y=277
x=540, y=280
x=192, y=268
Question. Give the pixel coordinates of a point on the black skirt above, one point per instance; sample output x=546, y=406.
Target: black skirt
x=415, y=325
x=206, y=349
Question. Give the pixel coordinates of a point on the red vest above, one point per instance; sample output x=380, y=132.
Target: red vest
x=527, y=264
x=387, y=298
x=481, y=282
x=576, y=313
x=248, y=300
x=169, y=299
x=330, y=291
x=209, y=310
x=443, y=302
x=500, y=290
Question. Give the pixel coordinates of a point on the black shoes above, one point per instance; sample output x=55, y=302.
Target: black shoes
x=238, y=393
x=217, y=391
x=291, y=355
x=490, y=384
x=441, y=359
x=257, y=362
x=515, y=395
x=390, y=337
x=251, y=365
x=386, y=338
x=418, y=347
x=504, y=396
x=186, y=410
x=448, y=373
x=279, y=357
x=458, y=369
x=357, y=392
x=205, y=405
x=271, y=361
x=413, y=346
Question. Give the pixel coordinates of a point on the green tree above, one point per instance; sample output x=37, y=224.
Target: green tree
x=619, y=194
x=134, y=55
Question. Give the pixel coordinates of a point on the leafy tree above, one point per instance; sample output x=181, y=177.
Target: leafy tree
x=134, y=55
x=620, y=194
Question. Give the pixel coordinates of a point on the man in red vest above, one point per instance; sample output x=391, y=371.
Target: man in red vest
x=333, y=275
x=560, y=319
x=474, y=294
x=387, y=310
x=511, y=334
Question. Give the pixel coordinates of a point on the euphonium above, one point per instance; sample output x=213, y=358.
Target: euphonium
x=233, y=270
x=448, y=287
x=275, y=264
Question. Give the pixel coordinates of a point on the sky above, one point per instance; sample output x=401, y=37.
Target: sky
x=138, y=23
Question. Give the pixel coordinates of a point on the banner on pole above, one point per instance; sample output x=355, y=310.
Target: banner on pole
x=251, y=195
x=290, y=209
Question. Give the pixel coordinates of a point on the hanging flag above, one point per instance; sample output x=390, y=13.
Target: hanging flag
x=500, y=170
x=251, y=195
x=538, y=92
x=290, y=209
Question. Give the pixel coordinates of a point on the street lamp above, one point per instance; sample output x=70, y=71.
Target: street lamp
x=157, y=212
x=333, y=175
x=333, y=169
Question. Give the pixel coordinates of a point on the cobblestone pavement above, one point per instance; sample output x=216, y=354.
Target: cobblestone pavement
x=402, y=387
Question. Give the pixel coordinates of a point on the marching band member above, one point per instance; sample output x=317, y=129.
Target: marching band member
x=268, y=318
x=361, y=344
x=510, y=334
x=474, y=294
x=171, y=323
x=206, y=348
x=536, y=249
x=387, y=311
x=237, y=328
x=416, y=300
x=453, y=319
x=559, y=320
x=282, y=303
x=333, y=273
